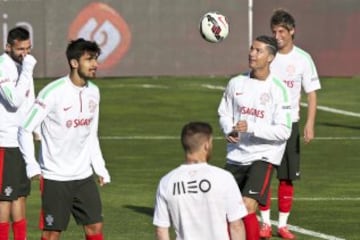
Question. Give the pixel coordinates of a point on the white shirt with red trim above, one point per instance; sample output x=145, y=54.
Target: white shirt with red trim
x=265, y=105
x=68, y=117
x=198, y=200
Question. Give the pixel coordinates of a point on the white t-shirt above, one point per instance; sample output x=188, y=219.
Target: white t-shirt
x=265, y=105
x=68, y=117
x=297, y=70
x=198, y=200
x=16, y=97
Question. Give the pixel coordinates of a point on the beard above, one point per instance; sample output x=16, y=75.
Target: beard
x=17, y=58
x=86, y=75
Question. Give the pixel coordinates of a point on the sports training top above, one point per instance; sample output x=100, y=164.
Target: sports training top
x=69, y=125
x=265, y=105
x=16, y=96
x=296, y=69
x=198, y=200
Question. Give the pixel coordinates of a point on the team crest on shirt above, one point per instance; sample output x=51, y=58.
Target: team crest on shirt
x=68, y=123
x=264, y=98
x=49, y=220
x=92, y=106
x=291, y=69
x=7, y=191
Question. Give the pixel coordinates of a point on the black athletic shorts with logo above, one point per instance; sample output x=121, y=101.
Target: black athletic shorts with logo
x=289, y=168
x=60, y=199
x=14, y=182
x=253, y=180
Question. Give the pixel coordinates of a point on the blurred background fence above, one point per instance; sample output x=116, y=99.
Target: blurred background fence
x=161, y=38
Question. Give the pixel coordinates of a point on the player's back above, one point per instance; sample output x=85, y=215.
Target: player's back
x=197, y=199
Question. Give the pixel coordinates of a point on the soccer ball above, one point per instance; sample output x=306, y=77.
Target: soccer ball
x=214, y=27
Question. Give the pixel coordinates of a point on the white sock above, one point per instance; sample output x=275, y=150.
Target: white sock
x=283, y=218
x=265, y=216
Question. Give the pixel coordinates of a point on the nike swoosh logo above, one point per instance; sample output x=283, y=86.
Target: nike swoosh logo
x=252, y=192
x=67, y=108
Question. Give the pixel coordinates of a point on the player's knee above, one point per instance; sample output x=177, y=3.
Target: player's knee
x=50, y=235
x=251, y=204
x=93, y=229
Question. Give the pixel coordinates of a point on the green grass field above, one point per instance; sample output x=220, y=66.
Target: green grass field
x=140, y=123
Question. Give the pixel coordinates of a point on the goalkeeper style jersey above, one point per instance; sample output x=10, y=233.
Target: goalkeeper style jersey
x=265, y=105
x=297, y=70
x=198, y=200
x=16, y=97
x=68, y=118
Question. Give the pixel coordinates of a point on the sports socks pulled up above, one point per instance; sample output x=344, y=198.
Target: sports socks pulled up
x=4, y=230
x=19, y=229
x=251, y=227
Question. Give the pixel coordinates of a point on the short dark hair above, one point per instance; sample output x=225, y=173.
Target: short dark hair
x=78, y=47
x=17, y=33
x=194, y=134
x=282, y=18
x=270, y=42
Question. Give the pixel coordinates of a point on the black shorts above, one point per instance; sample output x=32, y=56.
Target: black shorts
x=289, y=168
x=14, y=182
x=60, y=199
x=253, y=180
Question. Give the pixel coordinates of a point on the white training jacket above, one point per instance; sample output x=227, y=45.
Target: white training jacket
x=68, y=117
x=297, y=70
x=16, y=96
x=265, y=105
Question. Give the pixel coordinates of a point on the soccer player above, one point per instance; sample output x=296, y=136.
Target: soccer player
x=16, y=97
x=254, y=115
x=67, y=110
x=296, y=68
x=200, y=201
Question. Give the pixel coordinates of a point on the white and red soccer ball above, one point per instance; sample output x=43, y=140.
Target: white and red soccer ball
x=214, y=27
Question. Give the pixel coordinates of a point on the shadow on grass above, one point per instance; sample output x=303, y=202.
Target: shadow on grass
x=140, y=209
x=338, y=125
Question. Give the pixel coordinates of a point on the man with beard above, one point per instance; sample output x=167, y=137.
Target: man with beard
x=16, y=97
x=67, y=111
x=200, y=201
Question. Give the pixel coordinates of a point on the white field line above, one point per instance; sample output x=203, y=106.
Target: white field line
x=306, y=231
x=323, y=108
x=215, y=138
x=291, y=227
x=334, y=110
x=310, y=232
x=321, y=199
